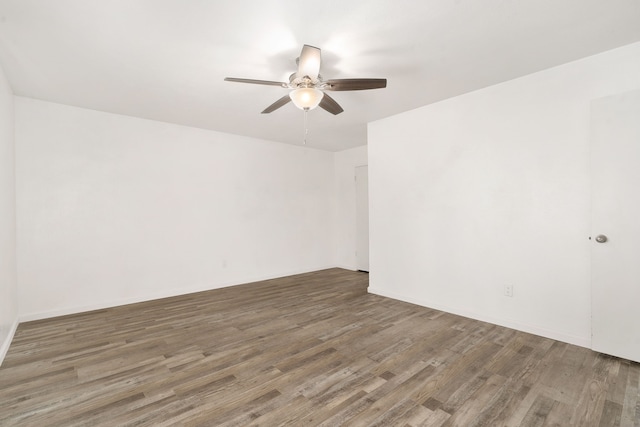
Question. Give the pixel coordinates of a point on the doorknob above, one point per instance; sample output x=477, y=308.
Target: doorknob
x=601, y=238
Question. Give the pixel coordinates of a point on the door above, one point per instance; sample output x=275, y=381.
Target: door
x=362, y=218
x=615, y=233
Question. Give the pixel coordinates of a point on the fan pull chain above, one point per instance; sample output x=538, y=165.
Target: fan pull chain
x=306, y=125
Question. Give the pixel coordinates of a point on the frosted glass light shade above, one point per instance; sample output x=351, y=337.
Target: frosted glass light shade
x=306, y=97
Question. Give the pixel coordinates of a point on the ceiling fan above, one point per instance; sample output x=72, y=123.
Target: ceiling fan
x=308, y=88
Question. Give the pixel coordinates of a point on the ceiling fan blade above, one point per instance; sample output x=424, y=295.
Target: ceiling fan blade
x=309, y=62
x=329, y=104
x=279, y=103
x=255, y=82
x=355, y=84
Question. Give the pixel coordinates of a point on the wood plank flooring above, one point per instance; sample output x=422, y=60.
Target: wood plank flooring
x=313, y=349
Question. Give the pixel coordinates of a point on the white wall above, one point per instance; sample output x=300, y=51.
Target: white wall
x=8, y=282
x=345, y=214
x=114, y=209
x=492, y=188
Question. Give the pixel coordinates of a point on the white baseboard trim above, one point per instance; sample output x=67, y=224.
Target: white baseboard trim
x=28, y=317
x=4, y=348
x=508, y=323
x=346, y=267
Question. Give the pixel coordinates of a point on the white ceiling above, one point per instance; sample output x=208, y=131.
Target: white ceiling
x=166, y=59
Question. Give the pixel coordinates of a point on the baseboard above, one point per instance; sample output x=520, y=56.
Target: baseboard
x=346, y=267
x=4, y=348
x=531, y=329
x=28, y=317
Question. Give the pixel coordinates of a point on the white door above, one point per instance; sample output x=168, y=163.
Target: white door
x=615, y=209
x=362, y=218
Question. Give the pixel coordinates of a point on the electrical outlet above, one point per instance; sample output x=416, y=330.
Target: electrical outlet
x=508, y=290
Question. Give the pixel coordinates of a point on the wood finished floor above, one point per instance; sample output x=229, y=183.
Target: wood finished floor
x=312, y=349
